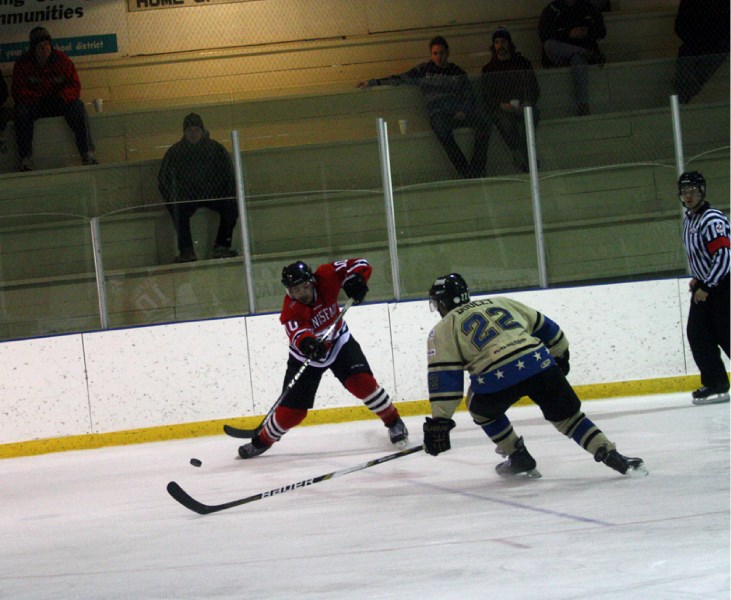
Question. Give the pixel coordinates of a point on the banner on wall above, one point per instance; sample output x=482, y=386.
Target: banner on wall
x=136, y=5
x=78, y=27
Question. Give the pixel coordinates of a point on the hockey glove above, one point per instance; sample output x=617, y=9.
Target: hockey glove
x=313, y=348
x=436, y=435
x=355, y=287
x=563, y=363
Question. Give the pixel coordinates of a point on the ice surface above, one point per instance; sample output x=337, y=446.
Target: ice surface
x=99, y=524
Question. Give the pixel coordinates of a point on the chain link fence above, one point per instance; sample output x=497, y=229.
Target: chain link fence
x=171, y=80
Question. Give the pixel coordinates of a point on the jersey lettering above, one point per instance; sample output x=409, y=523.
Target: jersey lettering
x=483, y=330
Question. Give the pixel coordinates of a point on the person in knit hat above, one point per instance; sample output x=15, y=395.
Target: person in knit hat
x=508, y=85
x=46, y=84
x=197, y=172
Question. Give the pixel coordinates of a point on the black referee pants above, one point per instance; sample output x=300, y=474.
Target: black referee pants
x=708, y=329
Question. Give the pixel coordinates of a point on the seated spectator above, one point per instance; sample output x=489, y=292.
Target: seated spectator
x=4, y=114
x=451, y=103
x=509, y=84
x=46, y=84
x=197, y=172
x=703, y=27
x=569, y=30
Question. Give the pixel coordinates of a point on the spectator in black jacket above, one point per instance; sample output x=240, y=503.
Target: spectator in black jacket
x=508, y=85
x=569, y=30
x=451, y=103
x=4, y=114
x=703, y=27
x=197, y=172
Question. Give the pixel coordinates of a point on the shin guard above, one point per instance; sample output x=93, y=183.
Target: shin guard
x=582, y=430
x=280, y=423
x=365, y=387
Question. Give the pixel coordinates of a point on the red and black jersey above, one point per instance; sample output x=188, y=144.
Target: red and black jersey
x=301, y=321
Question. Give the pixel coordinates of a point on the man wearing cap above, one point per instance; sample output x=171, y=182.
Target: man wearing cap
x=508, y=85
x=197, y=172
x=46, y=84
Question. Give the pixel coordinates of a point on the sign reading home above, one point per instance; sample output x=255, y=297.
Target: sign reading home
x=136, y=5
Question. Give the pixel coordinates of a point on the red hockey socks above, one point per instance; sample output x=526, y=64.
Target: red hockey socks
x=365, y=387
x=280, y=423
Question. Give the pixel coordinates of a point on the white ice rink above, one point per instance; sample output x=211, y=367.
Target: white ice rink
x=99, y=524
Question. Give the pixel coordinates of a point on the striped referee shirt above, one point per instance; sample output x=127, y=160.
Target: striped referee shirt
x=706, y=238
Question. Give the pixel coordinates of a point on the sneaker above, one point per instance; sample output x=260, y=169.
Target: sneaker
x=632, y=467
x=186, y=256
x=224, y=252
x=26, y=164
x=710, y=395
x=399, y=434
x=253, y=448
x=520, y=462
x=89, y=159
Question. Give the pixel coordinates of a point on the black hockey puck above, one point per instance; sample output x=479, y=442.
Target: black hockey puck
x=195, y=462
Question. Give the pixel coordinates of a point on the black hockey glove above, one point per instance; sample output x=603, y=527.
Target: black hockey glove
x=436, y=435
x=313, y=348
x=355, y=287
x=563, y=362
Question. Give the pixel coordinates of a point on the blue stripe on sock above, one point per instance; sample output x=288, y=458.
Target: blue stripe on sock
x=582, y=429
x=497, y=426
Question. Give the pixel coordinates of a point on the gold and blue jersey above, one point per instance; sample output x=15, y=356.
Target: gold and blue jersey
x=498, y=341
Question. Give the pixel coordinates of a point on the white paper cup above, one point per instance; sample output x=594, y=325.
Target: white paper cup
x=98, y=104
x=403, y=126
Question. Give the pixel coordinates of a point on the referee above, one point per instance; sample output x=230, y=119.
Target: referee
x=706, y=239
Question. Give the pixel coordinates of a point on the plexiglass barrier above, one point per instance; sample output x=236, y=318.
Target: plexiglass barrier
x=313, y=190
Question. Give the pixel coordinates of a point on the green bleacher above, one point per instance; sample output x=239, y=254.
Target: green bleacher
x=313, y=181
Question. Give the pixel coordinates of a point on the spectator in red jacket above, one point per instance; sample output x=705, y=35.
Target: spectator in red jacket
x=4, y=114
x=46, y=84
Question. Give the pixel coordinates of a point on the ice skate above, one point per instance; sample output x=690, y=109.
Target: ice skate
x=253, y=449
x=399, y=434
x=632, y=467
x=519, y=463
x=710, y=395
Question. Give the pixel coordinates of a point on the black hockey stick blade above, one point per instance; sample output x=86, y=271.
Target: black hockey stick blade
x=240, y=433
x=179, y=494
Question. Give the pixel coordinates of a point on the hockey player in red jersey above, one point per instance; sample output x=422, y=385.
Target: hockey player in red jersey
x=310, y=308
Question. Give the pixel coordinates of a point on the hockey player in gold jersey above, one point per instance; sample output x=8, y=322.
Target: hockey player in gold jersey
x=509, y=350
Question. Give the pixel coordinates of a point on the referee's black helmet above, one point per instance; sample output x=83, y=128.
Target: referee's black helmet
x=692, y=179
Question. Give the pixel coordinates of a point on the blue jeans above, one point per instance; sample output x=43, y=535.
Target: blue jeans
x=562, y=54
x=444, y=124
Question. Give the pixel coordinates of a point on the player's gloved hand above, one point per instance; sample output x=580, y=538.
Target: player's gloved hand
x=436, y=435
x=563, y=362
x=313, y=348
x=355, y=287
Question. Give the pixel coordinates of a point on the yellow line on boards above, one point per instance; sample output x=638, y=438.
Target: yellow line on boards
x=315, y=417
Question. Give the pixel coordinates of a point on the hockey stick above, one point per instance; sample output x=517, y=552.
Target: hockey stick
x=204, y=509
x=250, y=433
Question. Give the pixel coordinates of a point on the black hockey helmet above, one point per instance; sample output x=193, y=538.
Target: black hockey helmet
x=693, y=179
x=448, y=292
x=296, y=273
